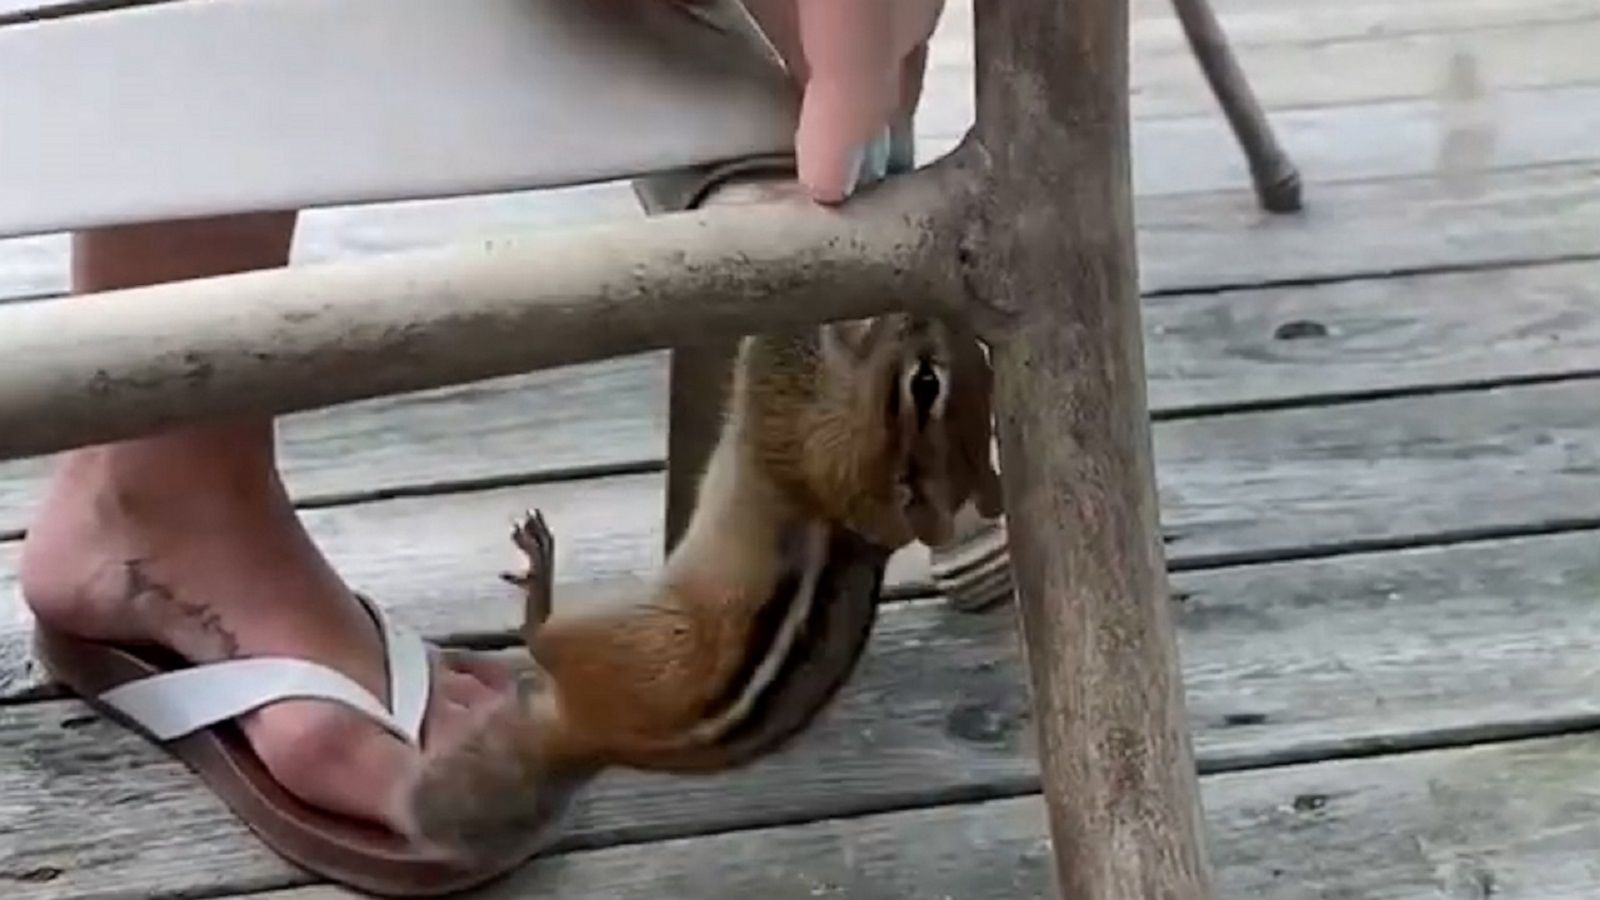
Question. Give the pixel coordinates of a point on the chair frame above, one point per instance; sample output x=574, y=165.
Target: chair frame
x=1026, y=229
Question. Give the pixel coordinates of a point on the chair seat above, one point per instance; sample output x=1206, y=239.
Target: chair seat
x=199, y=107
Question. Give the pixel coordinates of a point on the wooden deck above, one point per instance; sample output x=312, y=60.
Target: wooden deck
x=1379, y=465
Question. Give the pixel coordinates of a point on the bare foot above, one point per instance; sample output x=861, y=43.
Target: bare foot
x=190, y=542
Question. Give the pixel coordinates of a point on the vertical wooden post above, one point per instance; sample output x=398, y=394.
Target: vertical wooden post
x=698, y=390
x=1050, y=265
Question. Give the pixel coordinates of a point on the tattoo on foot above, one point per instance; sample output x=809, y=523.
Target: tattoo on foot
x=144, y=589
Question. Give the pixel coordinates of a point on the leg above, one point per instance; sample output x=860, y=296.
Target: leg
x=699, y=383
x=1086, y=555
x=1276, y=181
x=1117, y=765
x=1080, y=499
x=698, y=379
x=189, y=540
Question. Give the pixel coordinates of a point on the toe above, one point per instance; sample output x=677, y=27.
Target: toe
x=464, y=689
x=496, y=671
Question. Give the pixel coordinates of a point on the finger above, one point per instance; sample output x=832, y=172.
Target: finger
x=852, y=88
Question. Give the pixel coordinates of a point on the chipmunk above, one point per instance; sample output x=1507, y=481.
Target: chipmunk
x=841, y=444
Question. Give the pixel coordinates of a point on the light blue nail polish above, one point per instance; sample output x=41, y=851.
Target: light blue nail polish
x=870, y=164
x=902, y=154
x=877, y=158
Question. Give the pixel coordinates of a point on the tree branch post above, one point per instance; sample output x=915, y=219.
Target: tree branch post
x=1052, y=272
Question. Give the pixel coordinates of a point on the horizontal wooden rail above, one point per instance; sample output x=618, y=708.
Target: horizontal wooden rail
x=108, y=366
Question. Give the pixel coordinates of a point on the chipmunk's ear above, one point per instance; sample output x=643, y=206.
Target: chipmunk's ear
x=850, y=344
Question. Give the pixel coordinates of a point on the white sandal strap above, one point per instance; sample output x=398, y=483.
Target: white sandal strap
x=173, y=704
x=410, y=675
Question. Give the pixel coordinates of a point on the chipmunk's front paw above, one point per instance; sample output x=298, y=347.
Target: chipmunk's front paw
x=532, y=536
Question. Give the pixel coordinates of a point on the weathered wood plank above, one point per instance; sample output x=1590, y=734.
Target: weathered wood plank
x=1250, y=347
x=1371, y=336
x=1244, y=486
x=1465, y=131
x=1209, y=241
x=1367, y=54
x=1283, y=662
x=1256, y=21
x=1301, y=54
x=1252, y=486
x=1458, y=138
x=1509, y=822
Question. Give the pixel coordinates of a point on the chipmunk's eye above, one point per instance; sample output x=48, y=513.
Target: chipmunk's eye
x=925, y=390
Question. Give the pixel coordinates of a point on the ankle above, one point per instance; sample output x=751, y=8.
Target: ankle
x=190, y=471
x=144, y=498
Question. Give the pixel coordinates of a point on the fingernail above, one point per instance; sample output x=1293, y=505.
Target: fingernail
x=852, y=174
x=902, y=150
x=869, y=163
x=877, y=157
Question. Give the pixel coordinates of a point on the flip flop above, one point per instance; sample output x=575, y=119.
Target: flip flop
x=187, y=710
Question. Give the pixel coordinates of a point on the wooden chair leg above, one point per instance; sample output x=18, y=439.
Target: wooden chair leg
x=698, y=385
x=1120, y=787
x=698, y=378
x=1277, y=182
x=1086, y=556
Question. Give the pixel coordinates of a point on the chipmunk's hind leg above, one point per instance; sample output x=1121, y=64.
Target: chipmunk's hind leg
x=492, y=787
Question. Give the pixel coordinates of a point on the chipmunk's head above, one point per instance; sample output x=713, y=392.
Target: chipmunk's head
x=927, y=384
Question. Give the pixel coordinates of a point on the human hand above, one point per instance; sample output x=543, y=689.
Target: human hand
x=860, y=65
